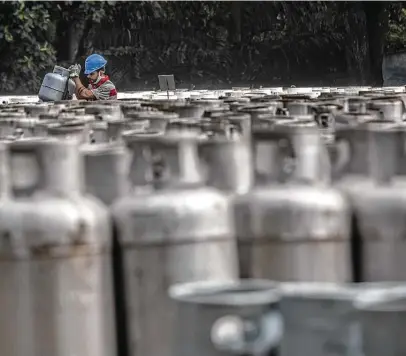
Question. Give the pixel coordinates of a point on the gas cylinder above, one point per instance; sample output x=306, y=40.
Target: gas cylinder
x=71, y=130
x=9, y=125
x=255, y=110
x=217, y=110
x=185, y=127
x=27, y=126
x=215, y=127
x=168, y=235
x=353, y=144
x=226, y=318
x=357, y=104
x=57, y=85
x=115, y=128
x=237, y=103
x=298, y=230
x=319, y=319
x=104, y=112
x=36, y=110
x=98, y=132
x=106, y=168
x=348, y=157
x=41, y=127
x=206, y=103
x=297, y=108
x=353, y=119
x=16, y=323
x=270, y=155
x=240, y=122
x=187, y=110
x=227, y=164
x=380, y=209
x=268, y=121
x=382, y=318
x=66, y=239
x=388, y=108
x=157, y=120
x=131, y=106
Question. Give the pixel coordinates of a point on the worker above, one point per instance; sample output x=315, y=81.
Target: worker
x=100, y=86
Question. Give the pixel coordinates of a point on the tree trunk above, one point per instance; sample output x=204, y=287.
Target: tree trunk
x=235, y=25
x=376, y=25
x=85, y=42
x=69, y=31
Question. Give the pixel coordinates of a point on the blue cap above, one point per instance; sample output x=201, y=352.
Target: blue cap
x=94, y=62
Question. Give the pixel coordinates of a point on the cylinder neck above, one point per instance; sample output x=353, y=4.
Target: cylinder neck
x=61, y=71
x=268, y=160
x=50, y=165
x=385, y=149
x=308, y=152
x=391, y=110
x=170, y=161
x=227, y=164
x=289, y=153
x=175, y=162
x=357, y=141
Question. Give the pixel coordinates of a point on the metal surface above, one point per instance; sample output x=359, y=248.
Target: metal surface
x=295, y=231
x=319, y=319
x=179, y=232
x=240, y=318
x=56, y=86
x=227, y=164
x=298, y=185
x=60, y=261
x=106, y=171
x=380, y=210
x=382, y=316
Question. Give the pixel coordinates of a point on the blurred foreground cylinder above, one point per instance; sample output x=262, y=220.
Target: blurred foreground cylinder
x=16, y=324
x=379, y=204
x=177, y=231
x=60, y=246
x=219, y=319
x=298, y=230
x=319, y=319
x=382, y=316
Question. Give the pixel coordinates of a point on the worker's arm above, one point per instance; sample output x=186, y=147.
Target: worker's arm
x=81, y=91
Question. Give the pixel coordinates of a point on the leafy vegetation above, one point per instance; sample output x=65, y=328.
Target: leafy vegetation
x=213, y=43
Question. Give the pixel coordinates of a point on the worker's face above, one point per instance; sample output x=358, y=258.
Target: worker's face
x=93, y=76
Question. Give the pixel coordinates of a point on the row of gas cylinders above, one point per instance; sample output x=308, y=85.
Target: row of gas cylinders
x=104, y=207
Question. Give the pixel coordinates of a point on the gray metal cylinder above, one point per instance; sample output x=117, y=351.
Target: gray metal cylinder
x=228, y=164
x=319, y=319
x=42, y=164
x=167, y=235
x=106, y=171
x=55, y=250
x=382, y=316
x=226, y=318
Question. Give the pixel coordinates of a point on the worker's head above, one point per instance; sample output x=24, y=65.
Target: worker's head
x=94, y=76
x=94, y=67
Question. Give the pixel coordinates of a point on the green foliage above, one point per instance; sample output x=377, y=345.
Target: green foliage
x=24, y=47
x=218, y=42
x=396, y=35
x=192, y=39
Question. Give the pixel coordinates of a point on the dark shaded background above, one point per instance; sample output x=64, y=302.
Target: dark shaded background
x=207, y=44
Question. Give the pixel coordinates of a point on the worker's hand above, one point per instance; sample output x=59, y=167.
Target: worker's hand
x=74, y=70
